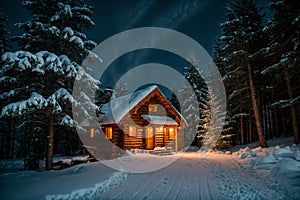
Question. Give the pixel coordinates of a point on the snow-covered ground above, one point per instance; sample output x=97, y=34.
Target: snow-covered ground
x=245, y=173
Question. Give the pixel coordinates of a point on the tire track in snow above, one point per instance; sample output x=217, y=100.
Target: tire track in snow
x=140, y=186
x=137, y=182
x=173, y=186
x=150, y=187
x=217, y=176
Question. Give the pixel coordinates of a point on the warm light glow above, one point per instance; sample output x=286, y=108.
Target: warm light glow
x=171, y=133
x=132, y=131
x=152, y=108
x=108, y=133
x=159, y=129
x=150, y=131
x=92, y=132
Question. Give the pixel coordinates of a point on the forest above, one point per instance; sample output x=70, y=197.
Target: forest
x=257, y=54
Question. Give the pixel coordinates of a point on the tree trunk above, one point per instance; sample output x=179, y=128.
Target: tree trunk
x=250, y=128
x=49, y=155
x=242, y=131
x=292, y=107
x=262, y=140
x=276, y=123
x=285, y=133
x=13, y=138
x=2, y=140
x=8, y=140
x=241, y=123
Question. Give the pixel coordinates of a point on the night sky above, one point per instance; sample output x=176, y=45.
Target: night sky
x=199, y=19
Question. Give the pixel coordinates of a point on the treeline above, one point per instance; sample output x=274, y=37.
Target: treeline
x=258, y=55
x=36, y=99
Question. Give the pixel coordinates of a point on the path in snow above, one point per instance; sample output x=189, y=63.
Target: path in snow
x=217, y=176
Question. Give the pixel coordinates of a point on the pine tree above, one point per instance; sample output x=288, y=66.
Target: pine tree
x=58, y=47
x=57, y=27
x=241, y=38
x=282, y=51
x=194, y=104
x=4, y=85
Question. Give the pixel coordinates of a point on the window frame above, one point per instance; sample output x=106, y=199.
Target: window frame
x=132, y=131
x=108, y=133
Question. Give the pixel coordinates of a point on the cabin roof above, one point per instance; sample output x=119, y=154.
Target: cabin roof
x=115, y=110
x=159, y=120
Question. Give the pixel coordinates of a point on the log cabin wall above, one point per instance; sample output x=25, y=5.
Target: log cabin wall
x=133, y=142
x=117, y=136
x=160, y=139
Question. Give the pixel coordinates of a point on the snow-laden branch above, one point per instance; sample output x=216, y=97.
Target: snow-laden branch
x=285, y=103
x=240, y=115
x=20, y=108
x=237, y=92
x=283, y=62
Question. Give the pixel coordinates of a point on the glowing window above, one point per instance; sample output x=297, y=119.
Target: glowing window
x=108, y=133
x=152, y=108
x=172, y=133
x=92, y=132
x=132, y=131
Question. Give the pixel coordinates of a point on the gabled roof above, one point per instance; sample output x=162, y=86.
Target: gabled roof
x=118, y=108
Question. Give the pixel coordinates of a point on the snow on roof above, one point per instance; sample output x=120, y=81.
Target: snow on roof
x=117, y=108
x=159, y=120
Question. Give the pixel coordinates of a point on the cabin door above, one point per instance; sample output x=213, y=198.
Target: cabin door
x=149, y=138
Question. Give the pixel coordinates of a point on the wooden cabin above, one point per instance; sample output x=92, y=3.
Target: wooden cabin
x=144, y=119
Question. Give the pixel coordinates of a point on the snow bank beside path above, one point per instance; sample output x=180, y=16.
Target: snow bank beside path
x=282, y=162
x=57, y=183
x=92, y=193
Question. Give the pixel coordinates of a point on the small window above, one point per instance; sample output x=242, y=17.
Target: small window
x=92, y=132
x=132, y=131
x=108, y=133
x=172, y=133
x=152, y=108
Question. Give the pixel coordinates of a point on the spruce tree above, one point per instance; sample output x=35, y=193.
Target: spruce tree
x=46, y=74
x=241, y=38
x=282, y=51
x=57, y=27
x=195, y=105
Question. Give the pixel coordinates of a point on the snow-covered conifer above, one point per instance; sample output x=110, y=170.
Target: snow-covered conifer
x=44, y=72
x=241, y=37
